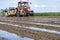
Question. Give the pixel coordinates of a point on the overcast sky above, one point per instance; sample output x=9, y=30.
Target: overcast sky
x=37, y=5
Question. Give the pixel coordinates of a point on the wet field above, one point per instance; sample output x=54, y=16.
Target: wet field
x=11, y=36
x=33, y=18
x=36, y=28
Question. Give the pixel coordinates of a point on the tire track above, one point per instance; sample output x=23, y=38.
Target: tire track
x=33, y=24
x=30, y=33
x=36, y=33
x=33, y=28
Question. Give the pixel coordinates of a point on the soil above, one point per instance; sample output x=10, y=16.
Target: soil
x=26, y=32
x=30, y=33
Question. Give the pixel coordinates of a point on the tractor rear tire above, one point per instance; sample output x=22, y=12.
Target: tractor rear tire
x=31, y=13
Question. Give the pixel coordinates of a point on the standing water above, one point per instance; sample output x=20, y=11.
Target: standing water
x=11, y=36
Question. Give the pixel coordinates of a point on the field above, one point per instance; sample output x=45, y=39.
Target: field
x=42, y=26
x=37, y=28
x=48, y=14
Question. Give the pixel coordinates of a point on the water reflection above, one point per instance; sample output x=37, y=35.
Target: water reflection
x=33, y=28
x=11, y=36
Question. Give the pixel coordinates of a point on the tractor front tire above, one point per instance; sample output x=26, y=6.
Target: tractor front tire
x=27, y=14
x=18, y=14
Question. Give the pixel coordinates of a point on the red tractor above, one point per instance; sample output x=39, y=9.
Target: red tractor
x=23, y=9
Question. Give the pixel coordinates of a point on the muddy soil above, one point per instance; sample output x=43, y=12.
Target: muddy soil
x=23, y=23
x=33, y=18
x=30, y=33
x=1, y=38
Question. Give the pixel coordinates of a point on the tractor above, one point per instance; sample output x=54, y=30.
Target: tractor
x=11, y=12
x=22, y=9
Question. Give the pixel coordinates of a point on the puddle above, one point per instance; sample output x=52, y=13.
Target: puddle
x=11, y=36
x=43, y=30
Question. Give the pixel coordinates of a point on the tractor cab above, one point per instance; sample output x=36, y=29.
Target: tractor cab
x=23, y=4
x=24, y=9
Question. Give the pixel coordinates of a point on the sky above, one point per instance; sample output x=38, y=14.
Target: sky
x=37, y=5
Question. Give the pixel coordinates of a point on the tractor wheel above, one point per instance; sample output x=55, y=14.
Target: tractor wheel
x=18, y=14
x=21, y=15
x=31, y=13
x=27, y=14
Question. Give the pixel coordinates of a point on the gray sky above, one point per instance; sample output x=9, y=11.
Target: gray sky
x=37, y=5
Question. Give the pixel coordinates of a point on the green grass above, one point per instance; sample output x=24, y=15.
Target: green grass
x=48, y=14
x=1, y=14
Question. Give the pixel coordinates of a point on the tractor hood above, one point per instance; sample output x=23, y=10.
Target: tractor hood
x=27, y=9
